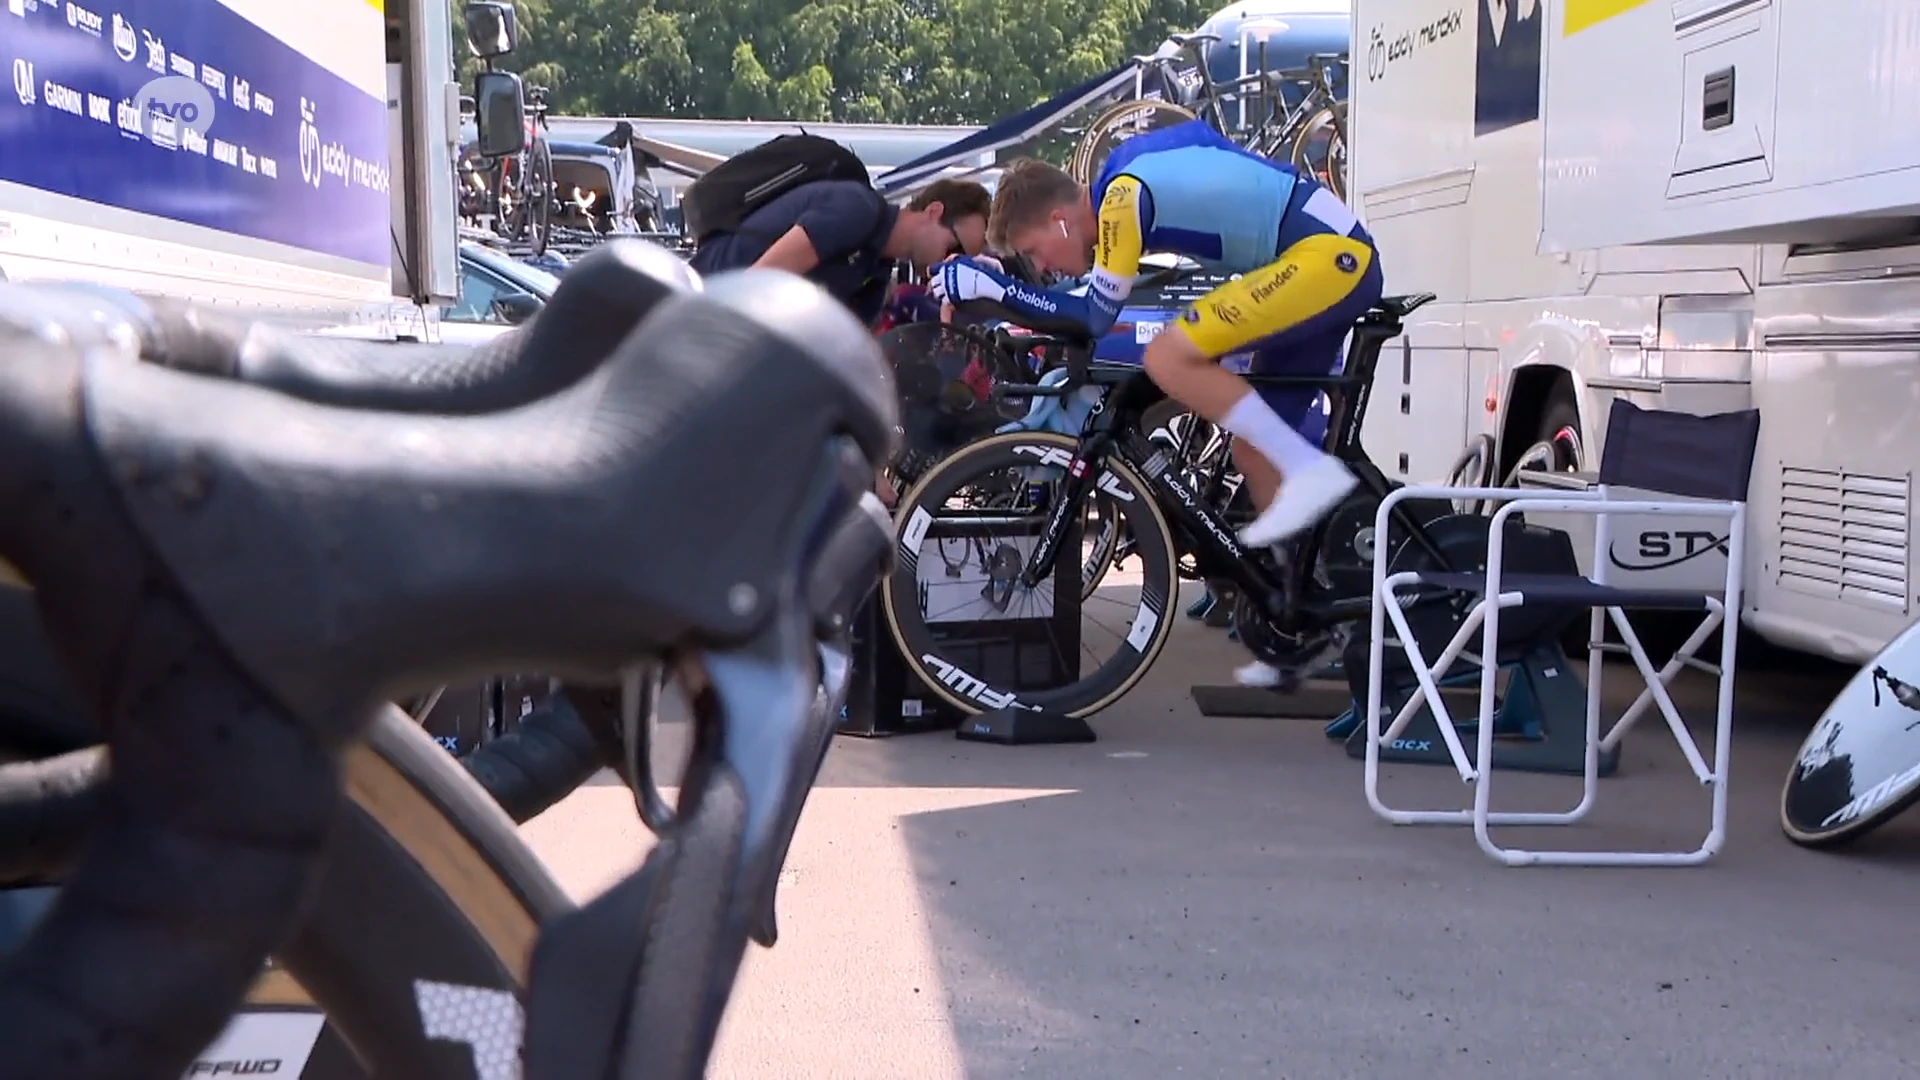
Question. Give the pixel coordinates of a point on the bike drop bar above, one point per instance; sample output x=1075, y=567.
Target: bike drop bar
x=237, y=577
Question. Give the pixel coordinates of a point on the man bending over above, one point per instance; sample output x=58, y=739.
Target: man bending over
x=1308, y=271
x=845, y=238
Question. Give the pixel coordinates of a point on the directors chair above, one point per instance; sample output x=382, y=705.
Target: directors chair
x=1703, y=463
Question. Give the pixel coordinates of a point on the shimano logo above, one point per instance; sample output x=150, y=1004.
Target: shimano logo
x=1039, y=301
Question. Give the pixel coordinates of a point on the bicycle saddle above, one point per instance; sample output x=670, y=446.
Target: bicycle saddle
x=1399, y=307
x=600, y=301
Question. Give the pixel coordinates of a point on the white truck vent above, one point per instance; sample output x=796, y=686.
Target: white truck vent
x=1844, y=536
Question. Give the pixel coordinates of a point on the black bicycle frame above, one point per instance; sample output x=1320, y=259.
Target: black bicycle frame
x=1113, y=427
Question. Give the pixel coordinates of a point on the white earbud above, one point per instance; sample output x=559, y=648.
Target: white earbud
x=1063, y=227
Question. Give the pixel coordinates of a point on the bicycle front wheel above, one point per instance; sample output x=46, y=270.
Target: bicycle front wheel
x=413, y=958
x=954, y=571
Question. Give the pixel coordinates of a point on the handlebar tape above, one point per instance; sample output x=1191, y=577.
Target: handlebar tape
x=552, y=753
x=604, y=297
x=212, y=834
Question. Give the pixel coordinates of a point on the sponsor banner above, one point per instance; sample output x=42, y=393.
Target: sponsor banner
x=187, y=110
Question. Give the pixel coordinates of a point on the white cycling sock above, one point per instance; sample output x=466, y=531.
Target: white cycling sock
x=1252, y=419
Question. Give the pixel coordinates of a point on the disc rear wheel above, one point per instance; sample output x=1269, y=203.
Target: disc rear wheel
x=1860, y=766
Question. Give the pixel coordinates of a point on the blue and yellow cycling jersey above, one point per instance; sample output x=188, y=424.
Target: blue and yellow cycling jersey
x=1188, y=190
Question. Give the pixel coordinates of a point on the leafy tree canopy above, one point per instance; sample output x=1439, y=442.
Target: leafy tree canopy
x=862, y=61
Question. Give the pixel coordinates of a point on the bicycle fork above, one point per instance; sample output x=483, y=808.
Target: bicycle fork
x=1082, y=473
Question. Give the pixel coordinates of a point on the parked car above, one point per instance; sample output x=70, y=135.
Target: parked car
x=497, y=293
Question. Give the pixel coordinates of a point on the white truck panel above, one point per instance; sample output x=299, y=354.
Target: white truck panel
x=229, y=151
x=1790, y=121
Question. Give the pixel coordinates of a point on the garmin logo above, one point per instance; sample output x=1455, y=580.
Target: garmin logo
x=1039, y=301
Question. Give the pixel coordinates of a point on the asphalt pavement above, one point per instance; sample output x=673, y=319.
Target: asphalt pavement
x=1213, y=898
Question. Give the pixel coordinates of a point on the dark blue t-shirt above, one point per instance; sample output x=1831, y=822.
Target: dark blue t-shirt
x=846, y=223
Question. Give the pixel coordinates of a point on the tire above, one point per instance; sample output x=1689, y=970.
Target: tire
x=1146, y=525
x=1332, y=172
x=1473, y=468
x=1095, y=143
x=537, y=194
x=1556, y=447
x=426, y=882
x=509, y=207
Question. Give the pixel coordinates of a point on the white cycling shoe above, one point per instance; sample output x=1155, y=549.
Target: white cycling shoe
x=1258, y=674
x=1306, y=496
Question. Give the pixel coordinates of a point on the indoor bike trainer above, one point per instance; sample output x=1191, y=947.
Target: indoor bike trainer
x=1539, y=713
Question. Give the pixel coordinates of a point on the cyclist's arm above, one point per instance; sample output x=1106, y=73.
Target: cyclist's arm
x=1124, y=213
x=1122, y=222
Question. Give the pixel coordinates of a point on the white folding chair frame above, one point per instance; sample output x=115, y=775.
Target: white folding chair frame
x=1484, y=619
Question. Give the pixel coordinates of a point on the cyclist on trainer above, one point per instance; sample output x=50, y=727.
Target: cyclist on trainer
x=1307, y=271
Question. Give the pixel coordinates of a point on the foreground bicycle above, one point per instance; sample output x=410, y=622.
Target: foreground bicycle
x=1294, y=613
x=239, y=579
x=540, y=762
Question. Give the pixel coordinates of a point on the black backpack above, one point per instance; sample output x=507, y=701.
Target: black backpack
x=719, y=201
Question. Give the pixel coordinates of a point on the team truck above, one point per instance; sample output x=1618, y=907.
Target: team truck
x=1616, y=198
x=289, y=160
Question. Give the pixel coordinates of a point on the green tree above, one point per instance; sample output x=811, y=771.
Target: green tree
x=890, y=61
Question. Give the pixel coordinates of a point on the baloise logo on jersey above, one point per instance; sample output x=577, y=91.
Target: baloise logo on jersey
x=1032, y=298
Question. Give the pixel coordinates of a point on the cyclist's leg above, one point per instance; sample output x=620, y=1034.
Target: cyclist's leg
x=1302, y=351
x=1317, y=284
x=1311, y=348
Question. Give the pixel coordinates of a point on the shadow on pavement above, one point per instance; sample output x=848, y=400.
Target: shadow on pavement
x=1214, y=898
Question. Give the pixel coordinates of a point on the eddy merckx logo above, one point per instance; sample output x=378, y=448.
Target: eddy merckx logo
x=171, y=105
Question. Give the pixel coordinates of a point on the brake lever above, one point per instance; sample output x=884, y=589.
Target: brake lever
x=765, y=715
x=836, y=675
x=851, y=561
x=763, y=700
x=640, y=689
